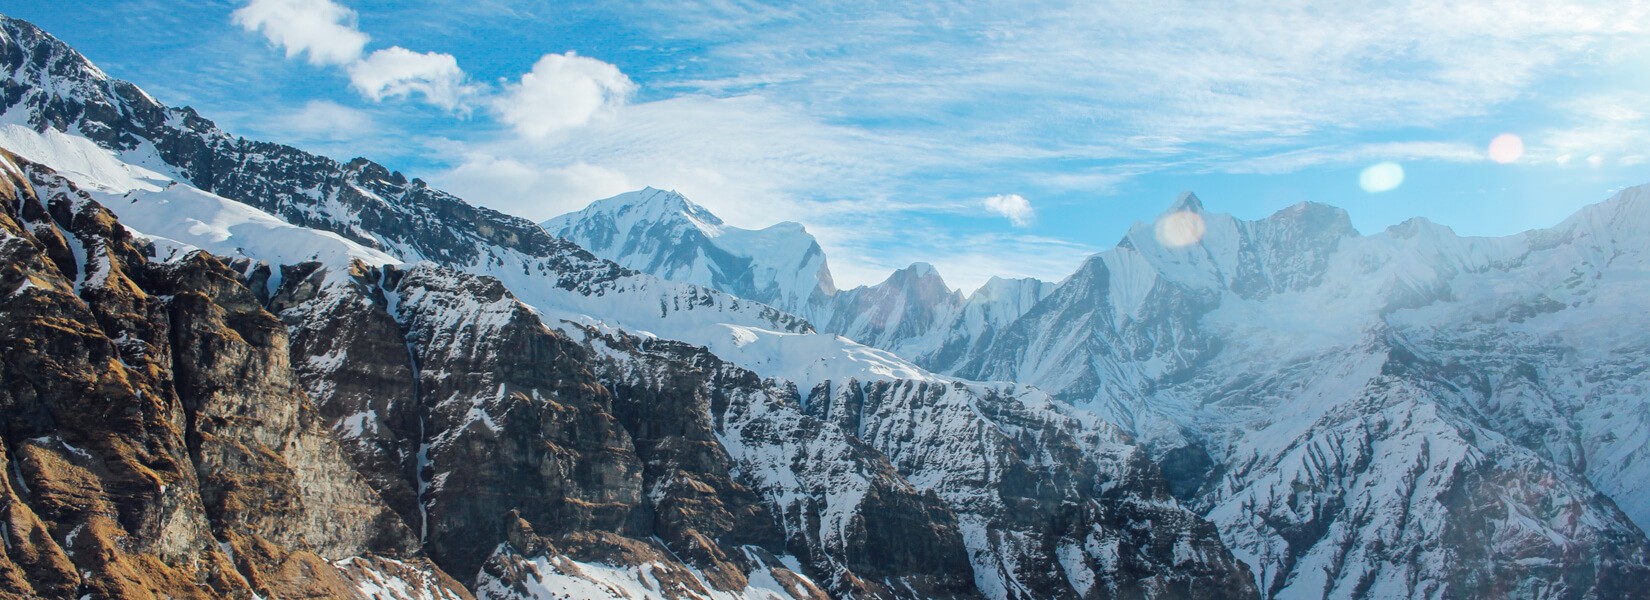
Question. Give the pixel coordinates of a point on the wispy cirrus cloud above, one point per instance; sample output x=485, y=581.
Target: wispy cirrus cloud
x=1263, y=71
x=846, y=114
x=1295, y=160
x=1602, y=129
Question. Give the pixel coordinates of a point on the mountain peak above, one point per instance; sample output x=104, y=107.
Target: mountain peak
x=921, y=269
x=1186, y=202
x=658, y=204
x=920, y=278
x=1317, y=216
x=918, y=273
x=665, y=234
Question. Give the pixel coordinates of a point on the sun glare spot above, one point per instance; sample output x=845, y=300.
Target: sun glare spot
x=1381, y=177
x=1178, y=229
x=1506, y=148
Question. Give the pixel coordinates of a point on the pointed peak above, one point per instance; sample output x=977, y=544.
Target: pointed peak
x=1316, y=216
x=917, y=273
x=919, y=280
x=653, y=204
x=1417, y=226
x=921, y=269
x=1186, y=202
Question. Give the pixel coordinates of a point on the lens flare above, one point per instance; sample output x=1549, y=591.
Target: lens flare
x=1506, y=148
x=1381, y=177
x=1178, y=229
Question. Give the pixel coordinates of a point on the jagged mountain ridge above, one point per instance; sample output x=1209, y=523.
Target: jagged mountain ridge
x=1272, y=357
x=486, y=374
x=1197, y=350
x=913, y=313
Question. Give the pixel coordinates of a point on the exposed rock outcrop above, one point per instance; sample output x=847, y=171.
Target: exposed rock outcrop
x=155, y=442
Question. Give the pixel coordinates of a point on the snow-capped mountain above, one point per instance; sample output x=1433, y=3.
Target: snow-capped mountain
x=1335, y=401
x=665, y=234
x=913, y=313
x=1360, y=413
x=510, y=408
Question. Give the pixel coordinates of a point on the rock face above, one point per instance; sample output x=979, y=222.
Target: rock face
x=156, y=443
x=834, y=502
x=1050, y=506
x=622, y=466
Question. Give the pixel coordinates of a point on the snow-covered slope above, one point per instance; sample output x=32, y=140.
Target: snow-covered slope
x=180, y=217
x=1360, y=414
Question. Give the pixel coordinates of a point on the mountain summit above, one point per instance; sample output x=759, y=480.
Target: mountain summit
x=665, y=234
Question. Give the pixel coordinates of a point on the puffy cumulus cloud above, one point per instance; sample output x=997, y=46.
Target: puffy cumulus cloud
x=326, y=33
x=1012, y=206
x=397, y=71
x=321, y=29
x=562, y=91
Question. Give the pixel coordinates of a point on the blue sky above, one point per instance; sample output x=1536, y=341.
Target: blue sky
x=1007, y=138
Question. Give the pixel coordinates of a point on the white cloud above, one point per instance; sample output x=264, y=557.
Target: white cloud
x=1608, y=125
x=562, y=91
x=862, y=120
x=326, y=32
x=322, y=29
x=1296, y=160
x=1251, y=75
x=747, y=159
x=397, y=71
x=1013, y=206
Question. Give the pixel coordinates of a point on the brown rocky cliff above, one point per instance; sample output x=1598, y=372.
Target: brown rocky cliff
x=154, y=443
x=497, y=413
x=531, y=450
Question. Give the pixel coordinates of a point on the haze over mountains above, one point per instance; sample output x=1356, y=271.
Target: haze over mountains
x=234, y=368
